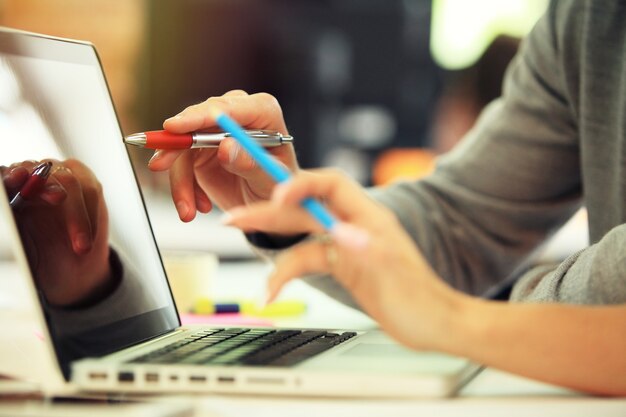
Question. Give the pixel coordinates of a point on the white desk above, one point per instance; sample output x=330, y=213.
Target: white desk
x=491, y=393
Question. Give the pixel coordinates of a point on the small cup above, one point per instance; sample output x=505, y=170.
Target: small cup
x=190, y=275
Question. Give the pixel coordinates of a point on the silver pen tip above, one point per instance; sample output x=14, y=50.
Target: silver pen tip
x=136, y=139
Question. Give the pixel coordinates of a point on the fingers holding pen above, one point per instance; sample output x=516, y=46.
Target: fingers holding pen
x=342, y=195
x=16, y=176
x=72, y=191
x=193, y=118
x=257, y=111
x=235, y=160
x=284, y=212
x=260, y=111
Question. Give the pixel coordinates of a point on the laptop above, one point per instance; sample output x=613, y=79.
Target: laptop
x=55, y=105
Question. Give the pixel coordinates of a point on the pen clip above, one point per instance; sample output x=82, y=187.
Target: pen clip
x=266, y=134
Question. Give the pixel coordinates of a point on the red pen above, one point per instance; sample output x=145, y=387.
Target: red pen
x=162, y=139
x=33, y=184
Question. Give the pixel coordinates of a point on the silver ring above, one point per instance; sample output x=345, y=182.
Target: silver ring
x=59, y=168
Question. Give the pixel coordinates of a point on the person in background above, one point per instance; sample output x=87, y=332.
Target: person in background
x=412, y=254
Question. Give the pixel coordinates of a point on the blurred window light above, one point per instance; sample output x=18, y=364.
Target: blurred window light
x=462, y=29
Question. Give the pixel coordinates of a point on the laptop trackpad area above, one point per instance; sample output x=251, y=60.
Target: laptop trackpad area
x=378, y=353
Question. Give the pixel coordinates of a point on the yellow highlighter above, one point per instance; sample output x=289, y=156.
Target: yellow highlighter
x=285, y=308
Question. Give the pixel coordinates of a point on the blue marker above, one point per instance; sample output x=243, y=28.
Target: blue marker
x=270, y=166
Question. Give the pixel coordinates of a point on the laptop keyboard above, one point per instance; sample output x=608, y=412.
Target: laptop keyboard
x=250, y=347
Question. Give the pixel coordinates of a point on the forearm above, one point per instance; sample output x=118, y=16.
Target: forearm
x=578, y=347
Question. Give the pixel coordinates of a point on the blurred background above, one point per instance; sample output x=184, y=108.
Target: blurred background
x=378, y=88
x=375, y=87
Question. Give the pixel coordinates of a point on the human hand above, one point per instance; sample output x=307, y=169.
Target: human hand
x=369, y=254
x=225, y=176
x=65, y=231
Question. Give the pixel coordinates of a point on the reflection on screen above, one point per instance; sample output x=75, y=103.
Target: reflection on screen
x=75, y=201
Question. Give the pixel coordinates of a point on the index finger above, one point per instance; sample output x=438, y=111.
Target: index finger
x=163, y=159
x=258, y=111
x=343, y=196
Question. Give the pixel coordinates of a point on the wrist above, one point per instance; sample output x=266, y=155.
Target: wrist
x=104, y=286
x=472, y=329
x=465, y=328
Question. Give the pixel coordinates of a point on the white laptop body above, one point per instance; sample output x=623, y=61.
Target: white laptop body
x=56, y=105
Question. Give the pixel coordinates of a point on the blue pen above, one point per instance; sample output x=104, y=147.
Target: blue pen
x=269, y=165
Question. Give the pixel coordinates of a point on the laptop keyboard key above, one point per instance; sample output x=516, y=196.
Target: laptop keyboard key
x=252, y=347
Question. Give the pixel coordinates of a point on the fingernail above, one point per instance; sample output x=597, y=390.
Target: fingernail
x=173, y=118
x=263, y=300
x=280, y=191
x=233, y=152
x=226, y=218
x=82, y=243
x=350, y=236
x=53, y=188
x=267, y=299
x=231, y=215
x=12, y=171
x=156, y=156
x=183, y=209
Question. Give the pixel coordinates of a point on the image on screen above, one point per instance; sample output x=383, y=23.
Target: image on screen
x=75, y=201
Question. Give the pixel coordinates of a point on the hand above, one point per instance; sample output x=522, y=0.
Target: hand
x=225, y=176
x=65, y=231
x=370, y=255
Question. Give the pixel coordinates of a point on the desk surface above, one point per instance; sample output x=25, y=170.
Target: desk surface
x=491, y=393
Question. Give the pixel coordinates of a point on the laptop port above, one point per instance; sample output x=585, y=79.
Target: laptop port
x=197, y=378
x=226, y=379
x=266, y=380
x=152, y=377
x=98, y=376
x=174, y=378
x=126, y=376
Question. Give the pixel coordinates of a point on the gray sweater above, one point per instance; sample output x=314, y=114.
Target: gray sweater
x=554, y=141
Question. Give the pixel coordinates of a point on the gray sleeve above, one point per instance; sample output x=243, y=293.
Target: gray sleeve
x=512, y=181
x=586, y=277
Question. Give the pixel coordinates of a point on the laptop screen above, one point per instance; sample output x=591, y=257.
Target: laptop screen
x=81, y=219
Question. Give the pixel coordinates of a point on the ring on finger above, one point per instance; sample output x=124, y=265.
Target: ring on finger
x=59, y=168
